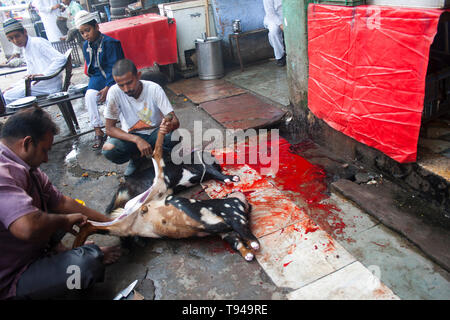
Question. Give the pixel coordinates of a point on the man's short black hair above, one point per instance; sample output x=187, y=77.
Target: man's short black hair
x=122, y=67
x=33, y=122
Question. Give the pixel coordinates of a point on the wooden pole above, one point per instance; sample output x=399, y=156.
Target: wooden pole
x=207, y=17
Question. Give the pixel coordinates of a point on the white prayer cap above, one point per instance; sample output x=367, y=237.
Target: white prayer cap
x=83, y=17
x=11, y=25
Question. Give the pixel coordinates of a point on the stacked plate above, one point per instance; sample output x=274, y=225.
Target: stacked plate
x=78, y=88
x=57, y=95
x=22, y=102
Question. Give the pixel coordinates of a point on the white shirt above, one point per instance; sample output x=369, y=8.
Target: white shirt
x=150, y=108
x=49, y=17
x=274, y=12
x=42, y=58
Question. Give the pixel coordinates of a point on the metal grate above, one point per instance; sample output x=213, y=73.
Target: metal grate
x=63, y=46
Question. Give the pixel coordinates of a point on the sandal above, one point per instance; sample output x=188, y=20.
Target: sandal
x=99, y=141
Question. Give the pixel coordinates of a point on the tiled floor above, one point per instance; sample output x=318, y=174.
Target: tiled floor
x=329, y=249
x=295, y=251
x=265, y=79
x=244, y=111
x=353, y=282
x=199, y=91
x=402, y=266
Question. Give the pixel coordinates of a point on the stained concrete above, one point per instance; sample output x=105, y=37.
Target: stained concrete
x=265, y=79
x=245, y=111
x=199, y=91
x=382, y=201
x=206, y=268
x=353, y=282
x=400, y=265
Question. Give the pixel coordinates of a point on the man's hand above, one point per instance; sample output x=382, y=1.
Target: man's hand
x=72, y=220
x=144, y=147
x=281, y=27
x=32, y=76
x=56, y=6
x=102, y=94
x=165, y=126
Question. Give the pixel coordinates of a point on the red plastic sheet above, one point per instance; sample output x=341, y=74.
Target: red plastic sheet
x=367, y=70
x=145, y=39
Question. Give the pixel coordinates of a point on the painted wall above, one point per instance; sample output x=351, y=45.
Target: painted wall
x=296, y=40
x=250, y=12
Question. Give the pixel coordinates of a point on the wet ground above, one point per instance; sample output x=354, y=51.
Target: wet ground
x=317, y=245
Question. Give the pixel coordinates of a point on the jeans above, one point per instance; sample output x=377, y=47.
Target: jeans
x=57, y=275
x=123, y=150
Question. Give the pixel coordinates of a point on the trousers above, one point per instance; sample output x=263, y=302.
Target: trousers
x=123, y=151
x=91, y=100
x=276, y=39
x=41, y=88
x=60, y=274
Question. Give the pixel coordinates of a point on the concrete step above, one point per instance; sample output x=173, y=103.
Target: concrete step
x=384, y=203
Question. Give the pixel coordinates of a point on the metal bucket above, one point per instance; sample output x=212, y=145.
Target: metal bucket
x=209, y=58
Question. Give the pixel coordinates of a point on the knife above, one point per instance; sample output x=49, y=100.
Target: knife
x=125, y=292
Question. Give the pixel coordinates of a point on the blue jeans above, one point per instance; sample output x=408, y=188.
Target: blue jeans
x=123, y=150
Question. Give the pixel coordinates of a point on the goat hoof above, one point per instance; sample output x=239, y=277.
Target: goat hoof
x=236, y=179
x=249, y=256
x=254, y=245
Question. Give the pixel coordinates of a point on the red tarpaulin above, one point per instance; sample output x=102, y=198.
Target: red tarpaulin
x=367, y=69
x=145, y=39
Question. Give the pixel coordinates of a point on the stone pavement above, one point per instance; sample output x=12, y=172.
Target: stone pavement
x=295, y=251
x=320, y=247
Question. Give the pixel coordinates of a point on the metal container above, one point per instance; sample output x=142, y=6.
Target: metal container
x=209, y=58
x=237, y=26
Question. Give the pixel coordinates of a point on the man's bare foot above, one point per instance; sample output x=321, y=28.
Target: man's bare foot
x=111, y=254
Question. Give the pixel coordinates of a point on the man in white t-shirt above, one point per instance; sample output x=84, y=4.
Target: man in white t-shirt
x=141, y=107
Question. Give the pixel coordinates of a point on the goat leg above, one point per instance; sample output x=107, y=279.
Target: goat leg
x=234, y=240
x=83, y=234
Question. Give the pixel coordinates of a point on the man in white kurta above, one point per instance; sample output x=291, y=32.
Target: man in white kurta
x=41, y=59
x=273, y=21
x=49, y=10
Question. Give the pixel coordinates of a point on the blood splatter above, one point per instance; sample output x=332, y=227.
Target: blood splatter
x=286, y=264
x=298, y=180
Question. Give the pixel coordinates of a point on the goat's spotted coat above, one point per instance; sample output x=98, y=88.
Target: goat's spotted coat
x=157, y=213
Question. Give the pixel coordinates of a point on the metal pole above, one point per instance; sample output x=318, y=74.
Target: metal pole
x=207, y=17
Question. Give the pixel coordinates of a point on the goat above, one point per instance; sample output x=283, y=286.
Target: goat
x=178, y=178
x=157, y=213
